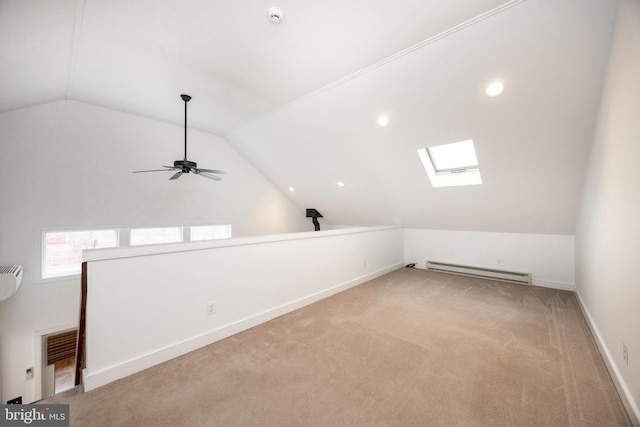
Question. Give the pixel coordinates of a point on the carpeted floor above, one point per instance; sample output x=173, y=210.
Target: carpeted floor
x=411, y=348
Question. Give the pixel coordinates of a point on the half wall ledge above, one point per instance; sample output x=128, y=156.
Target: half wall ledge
x=147, y=305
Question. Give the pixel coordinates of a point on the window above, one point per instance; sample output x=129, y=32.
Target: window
x=150, y=236
x=62, y=250
x=210, y=232
x=451, y=164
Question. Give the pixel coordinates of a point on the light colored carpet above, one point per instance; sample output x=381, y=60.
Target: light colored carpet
x=411, y=348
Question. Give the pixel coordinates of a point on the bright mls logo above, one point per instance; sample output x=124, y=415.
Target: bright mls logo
x=35, y=415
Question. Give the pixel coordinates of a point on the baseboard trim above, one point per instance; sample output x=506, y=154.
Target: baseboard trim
x=98, y=379
x=563, y=286
x=623, y=391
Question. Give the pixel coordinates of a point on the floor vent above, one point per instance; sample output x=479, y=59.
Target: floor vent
x=485, y=273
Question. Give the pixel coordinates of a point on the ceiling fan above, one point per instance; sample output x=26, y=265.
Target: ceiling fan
x=187, y=166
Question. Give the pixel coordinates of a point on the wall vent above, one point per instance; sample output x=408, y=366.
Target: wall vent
x=485, y=273
x=10, y=279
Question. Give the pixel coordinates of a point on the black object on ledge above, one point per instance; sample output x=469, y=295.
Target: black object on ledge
x=312, y=213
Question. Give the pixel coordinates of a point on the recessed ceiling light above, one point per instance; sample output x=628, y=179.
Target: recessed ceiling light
x=383, y=121
x=340, y=184
x=292, y=189
x=495, y=89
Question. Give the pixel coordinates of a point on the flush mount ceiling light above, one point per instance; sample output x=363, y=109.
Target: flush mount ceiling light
x=292, y=189
x=275, y=15
x=494, y=89
x=383, y=120
x=340, y=184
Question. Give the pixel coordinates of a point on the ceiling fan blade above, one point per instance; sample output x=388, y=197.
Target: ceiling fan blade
x=176, y=176
x=207, y=175
x=212, y=171
x=152, y=170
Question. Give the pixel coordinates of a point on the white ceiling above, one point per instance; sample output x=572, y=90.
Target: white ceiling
x=138, y=56
x=299, y=99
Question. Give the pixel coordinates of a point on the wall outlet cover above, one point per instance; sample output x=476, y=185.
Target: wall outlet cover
x=212, y=307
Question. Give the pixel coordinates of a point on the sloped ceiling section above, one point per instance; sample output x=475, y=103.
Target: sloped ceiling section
x=300, y=99
x=531, y=141
x=137, y=56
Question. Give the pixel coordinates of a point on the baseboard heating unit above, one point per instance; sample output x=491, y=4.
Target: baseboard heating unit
x=484, y=273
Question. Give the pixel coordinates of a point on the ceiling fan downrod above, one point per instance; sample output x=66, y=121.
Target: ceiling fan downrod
x=185, y=98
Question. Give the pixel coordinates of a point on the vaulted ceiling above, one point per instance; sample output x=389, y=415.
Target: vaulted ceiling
x=300, y=98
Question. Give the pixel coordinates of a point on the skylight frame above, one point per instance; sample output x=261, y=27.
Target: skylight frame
x=466, y=173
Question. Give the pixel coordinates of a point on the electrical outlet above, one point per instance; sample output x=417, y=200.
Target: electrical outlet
x=212, y=307
x=625, y=353
x=29, y=374
x=365, y=264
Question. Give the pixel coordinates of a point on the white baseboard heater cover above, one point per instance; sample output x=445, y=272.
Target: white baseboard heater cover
x=485, y=273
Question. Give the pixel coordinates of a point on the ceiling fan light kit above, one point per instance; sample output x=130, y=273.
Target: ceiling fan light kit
x=187, y=166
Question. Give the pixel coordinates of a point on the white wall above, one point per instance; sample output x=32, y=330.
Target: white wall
x=608, y=231
x=549, y=258
x=161, y=293
x=68, y=164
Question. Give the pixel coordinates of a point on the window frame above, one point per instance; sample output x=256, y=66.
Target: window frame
x=43, y=250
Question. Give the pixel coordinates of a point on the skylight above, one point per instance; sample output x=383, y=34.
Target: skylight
x=451, y=165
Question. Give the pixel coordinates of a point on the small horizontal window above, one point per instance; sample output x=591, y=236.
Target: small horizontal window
x=152, y=236
x=210, y=232
x=451, y=164
x=62, y=250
